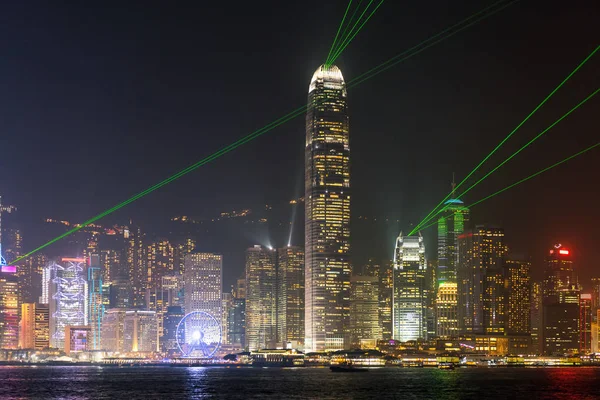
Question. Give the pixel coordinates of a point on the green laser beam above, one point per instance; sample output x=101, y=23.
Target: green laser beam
x=299, y=111
x=510, y=134
x=351, y=36
x=351, y=24
x=333, y=57
x=351, y=20
x=522, y=180
x=398, y=58
x=338, y=31
x=293, y=114
x=355, y=25
x=520, y=150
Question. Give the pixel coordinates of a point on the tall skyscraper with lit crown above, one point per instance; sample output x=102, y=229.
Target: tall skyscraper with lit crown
x=410, y=289
x=327, y=212
x=451, y=223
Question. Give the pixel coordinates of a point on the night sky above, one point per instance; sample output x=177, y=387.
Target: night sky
x=101, y=100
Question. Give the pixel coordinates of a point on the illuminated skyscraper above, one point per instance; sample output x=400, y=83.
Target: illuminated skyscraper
x=9, y=307
x=364, y=317
x=30, y=279
x=261, y=298
x=120, y=292
x=180, y=250
x=161, y=262
x=519, y=296
x=67, y=298
x=110, y=262
x=536, y=318
x=559, y=273
x=560, y=301
x=203, y=283
x=168, y=340
x=327, y=211
x=410, y=289
x=112, y=330
x=95, y=303
x=595, y=295
x=480, y=275
x=140, y=331
x=34, y=332
x=451, y=223
x=136, y=267
x=385, y=274
x=585, y=323
x=291, y=297
x=236, y=318
x=447, y=310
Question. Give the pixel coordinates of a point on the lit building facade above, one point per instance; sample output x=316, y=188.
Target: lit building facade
x=536, y=317
x=291, y=296
x=9, y=307
x=112, y=330
x=561, y=323
x=559, y=273
x=585, y=323
x=136, y=267
x=121, y=292
x=67, y=298
x=385, y=274
x=518, y=279
x=111, y=264
x=168, y=294
x=327, y=212
x=447, y=310
x=160, y=256
x=480, y=278
x=30, y=278
x=595, y=295
x=261, y=298
x=95, y=301
x=560, y=302
x=203, y=283
x=410, y=290
x=168, y=340
x=451, y=223
x=78, y=339
x=365, y=329
x=140, y=331
x=34, y=328
x=236, y=322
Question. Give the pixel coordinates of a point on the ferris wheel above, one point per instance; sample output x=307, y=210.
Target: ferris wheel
x=198, y=335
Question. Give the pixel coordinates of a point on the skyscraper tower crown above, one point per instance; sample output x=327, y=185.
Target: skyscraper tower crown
x=331, y=77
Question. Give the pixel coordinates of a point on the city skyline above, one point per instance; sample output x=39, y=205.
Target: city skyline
x=397, y=205
x=268, y=257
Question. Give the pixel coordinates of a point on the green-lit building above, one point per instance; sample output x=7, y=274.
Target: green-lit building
x=451, y=223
